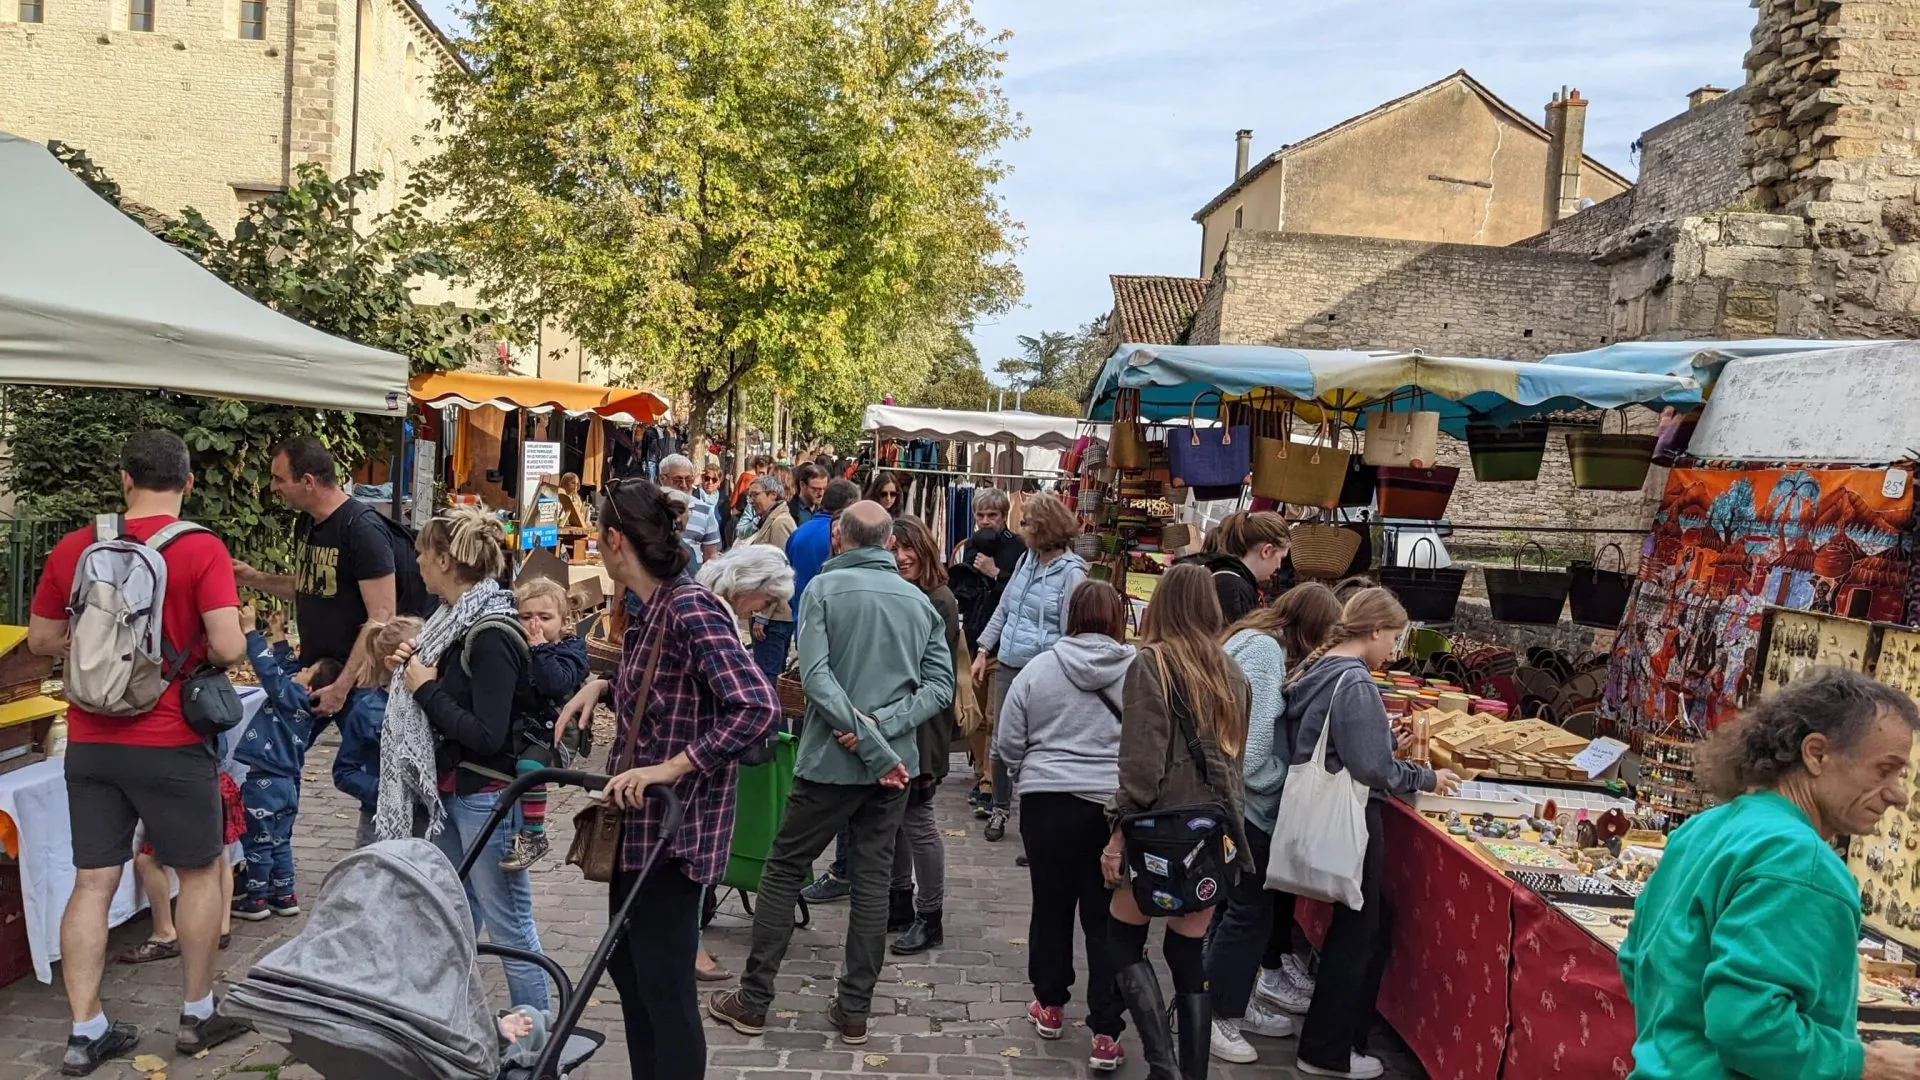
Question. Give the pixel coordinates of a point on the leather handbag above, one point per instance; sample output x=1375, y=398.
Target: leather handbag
x=1402, y=438
x=1215, y=457
x=1357, y=488
x=596, y=829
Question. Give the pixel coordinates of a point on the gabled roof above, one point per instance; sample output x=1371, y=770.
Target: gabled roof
x=1156, y=310
x=1458, y=78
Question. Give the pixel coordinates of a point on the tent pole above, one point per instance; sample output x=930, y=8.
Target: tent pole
x=397, y=474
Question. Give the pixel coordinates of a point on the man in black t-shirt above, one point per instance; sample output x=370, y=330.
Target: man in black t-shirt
x=343, y=572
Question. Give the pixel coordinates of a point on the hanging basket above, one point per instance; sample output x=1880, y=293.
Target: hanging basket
x=1610, y=462
x=1527, y=597
x=1598, y=597
x=1419, y=493
x=1430, y=594
x=1509, y=453
x=1209, y=458
x=1321, y=550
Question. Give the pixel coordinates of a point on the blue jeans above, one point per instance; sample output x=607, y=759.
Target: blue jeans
x=502, y=903
x=271, y=803
x=770, y=654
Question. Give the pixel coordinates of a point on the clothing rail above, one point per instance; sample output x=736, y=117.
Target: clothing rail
x=963, y=474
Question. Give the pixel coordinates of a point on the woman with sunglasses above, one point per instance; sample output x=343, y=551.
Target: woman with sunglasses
x=1332, y=686
x=705, y=704
x=886, y=489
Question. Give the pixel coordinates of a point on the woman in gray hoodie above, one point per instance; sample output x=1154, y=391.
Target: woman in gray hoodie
x=1333, y=687
x=1059, y=738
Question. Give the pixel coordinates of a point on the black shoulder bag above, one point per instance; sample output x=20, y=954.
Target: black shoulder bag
x=1178, y=858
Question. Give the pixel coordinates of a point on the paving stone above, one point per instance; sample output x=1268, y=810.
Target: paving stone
x=951, y=1012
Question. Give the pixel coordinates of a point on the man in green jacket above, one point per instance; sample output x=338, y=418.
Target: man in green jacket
x=875, y=665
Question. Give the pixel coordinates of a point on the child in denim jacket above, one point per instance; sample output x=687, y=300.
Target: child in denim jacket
x=356, y=768
x=274, y=748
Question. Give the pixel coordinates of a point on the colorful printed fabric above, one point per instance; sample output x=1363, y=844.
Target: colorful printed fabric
x=1726, y=544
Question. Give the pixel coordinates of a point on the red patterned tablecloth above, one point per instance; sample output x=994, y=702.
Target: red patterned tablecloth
x=1570, y=1009
x=1487, y=981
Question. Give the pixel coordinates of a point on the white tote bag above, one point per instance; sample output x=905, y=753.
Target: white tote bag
x=1320, y=841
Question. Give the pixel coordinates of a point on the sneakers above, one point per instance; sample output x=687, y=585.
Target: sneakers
x=996, y=824
x=1275, y=989
x=1049, y=1020
x=981, y=799
x=1295, y=969
x=730, y=1008
x=525, y=849
x=1229, y=1045
x=197, y=1036
x=284, y=906
x=1359, y=1067
x=826, y=889
x=1106, y=1055
x=250, y=910
x=1262, y=1019
x=852, y=1032
x=85, y=1055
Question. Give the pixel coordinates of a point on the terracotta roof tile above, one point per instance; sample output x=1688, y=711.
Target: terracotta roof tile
x=1155, y=310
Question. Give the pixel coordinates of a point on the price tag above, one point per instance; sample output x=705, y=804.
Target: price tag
x=1599, y=756
x=1895, y=484
x=1893, y=953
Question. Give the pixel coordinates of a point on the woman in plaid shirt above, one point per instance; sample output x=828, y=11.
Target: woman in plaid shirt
x=708, y=705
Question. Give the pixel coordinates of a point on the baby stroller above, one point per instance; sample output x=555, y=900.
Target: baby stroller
x=383, y=983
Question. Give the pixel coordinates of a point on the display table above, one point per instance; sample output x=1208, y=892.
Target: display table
x=1485, y=980
x=35, y=798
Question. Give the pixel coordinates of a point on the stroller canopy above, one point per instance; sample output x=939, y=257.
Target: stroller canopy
x=384, y=975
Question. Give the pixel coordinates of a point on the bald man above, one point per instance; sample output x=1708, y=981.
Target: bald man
x=875, y=665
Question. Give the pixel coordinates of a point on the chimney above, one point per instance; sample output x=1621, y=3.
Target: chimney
x=1566, y=151
x=1703, y=95
x=1242, y=140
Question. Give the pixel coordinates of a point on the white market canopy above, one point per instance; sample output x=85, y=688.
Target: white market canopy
x=89, y=298
x=1855, y=404
x=1023, y=428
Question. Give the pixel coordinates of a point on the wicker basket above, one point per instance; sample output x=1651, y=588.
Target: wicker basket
x=793, y=699
x=1323, y=551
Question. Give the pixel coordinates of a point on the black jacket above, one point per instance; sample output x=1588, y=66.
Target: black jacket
x=978, y=594
x=473, y=710
x=1239, y=593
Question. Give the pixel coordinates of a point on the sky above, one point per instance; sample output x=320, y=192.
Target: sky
x=1132, y=105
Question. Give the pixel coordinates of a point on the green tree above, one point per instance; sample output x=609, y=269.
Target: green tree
x=301, y=252
x=1061, y=361
x=1047, y=401
x=954, y=379
x=726, y=192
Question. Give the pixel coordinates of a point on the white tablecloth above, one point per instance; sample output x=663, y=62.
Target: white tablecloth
x=36, y=799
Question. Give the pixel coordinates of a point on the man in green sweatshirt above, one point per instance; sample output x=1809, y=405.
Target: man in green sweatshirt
x=1741, y=959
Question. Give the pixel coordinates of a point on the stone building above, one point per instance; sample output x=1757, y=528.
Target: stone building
x=212, y=104
x=1447, y=163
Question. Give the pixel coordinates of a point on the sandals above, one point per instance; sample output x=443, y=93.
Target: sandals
x=149, y=951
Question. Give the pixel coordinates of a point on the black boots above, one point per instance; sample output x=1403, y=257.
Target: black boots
x=899, y=910
x=924, y=934
x=1140, y=989
x=1196, y=1033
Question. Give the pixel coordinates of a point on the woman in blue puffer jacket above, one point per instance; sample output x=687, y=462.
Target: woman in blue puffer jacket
x=1031, y=616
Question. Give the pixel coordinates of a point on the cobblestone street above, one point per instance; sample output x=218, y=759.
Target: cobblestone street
x=958, y=1011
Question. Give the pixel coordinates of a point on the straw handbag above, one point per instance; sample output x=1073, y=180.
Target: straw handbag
x=1402, y=438
x=1321, y=550
x=1609, y=462
x=1299, y=474
x=1127, y=443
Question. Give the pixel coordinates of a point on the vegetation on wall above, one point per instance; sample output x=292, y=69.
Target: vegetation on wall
x=304, y=252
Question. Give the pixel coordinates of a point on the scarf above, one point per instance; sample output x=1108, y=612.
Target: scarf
x=408, y=779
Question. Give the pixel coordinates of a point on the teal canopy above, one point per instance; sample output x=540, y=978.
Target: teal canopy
x=1172, y=378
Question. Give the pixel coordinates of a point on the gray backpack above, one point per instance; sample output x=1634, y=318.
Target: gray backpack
x=118, y=661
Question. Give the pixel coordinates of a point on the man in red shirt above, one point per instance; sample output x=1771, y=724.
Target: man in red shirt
x=152, y=768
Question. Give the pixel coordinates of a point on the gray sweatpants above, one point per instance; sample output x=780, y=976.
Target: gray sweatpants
x=920, y=857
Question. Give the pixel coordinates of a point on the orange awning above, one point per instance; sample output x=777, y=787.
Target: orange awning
x=474, y=390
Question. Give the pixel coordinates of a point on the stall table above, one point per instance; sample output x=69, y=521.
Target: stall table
x=1485, y=979
x=35, y=798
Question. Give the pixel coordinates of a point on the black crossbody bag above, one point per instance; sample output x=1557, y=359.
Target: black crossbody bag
x=1178, y=858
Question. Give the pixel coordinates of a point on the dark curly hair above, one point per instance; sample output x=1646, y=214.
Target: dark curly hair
x=644, y=515
x=1762, y=745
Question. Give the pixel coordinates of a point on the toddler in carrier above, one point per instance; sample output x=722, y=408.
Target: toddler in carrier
x=356, y=769
x=559, y=668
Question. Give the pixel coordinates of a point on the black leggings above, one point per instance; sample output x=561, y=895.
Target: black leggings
x=653, y=968
x=1353, y=956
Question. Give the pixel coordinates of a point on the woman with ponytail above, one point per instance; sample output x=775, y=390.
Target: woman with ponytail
x=1263, y=644
x=1181, y=692
x=1332, y=687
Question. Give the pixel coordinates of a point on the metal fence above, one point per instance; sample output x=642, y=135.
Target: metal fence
x=24, y=544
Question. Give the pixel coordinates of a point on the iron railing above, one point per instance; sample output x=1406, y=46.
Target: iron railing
x=24, y=544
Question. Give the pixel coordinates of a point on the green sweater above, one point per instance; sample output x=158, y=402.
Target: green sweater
x=1741, y=959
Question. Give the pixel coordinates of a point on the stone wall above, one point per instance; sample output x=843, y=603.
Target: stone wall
x=1346, y=292
x=1726, y=275
x=1694, y=163
x=191, y=114
x=1586, y=231
x=1836, y=88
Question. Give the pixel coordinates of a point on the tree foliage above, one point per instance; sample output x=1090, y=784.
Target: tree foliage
x=301, y=252
x=719, y=192
x=1061, y=361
